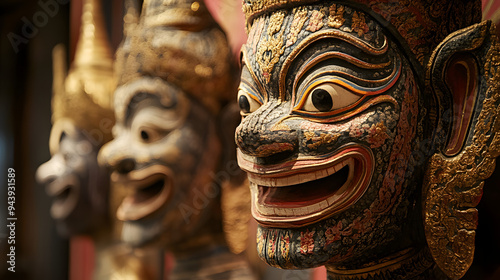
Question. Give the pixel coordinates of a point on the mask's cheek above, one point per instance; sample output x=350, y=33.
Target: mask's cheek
x=373, y=129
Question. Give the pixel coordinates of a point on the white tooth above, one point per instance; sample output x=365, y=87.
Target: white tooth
x=317, y=174
x=269, y=182
x=329, y=171
x=328, y=202
x=280, y=212
x=309, y=209
x=325, y=173
x=287, y=183
x=317, y=207
x=278, y=182
x=285, y=212
x=303, y=178
x=263, y=182
x=339, y=166
x=271, y=211
x=322, y=205
x=265, y=210
x=293, y=180
x=297, y=211
x=283, y=182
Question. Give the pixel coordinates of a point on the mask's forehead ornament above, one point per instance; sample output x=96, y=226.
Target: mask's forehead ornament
x=179, y=42
x=421, y=24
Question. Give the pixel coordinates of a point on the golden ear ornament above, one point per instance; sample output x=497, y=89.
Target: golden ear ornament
x=453, y=185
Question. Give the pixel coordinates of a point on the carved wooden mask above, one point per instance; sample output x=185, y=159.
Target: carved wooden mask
x=82, y=121
x=340, y=125
x=174, y=76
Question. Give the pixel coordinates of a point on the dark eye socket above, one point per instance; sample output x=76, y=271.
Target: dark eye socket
x=144, y=135
x=247, y=103
x=150, y=134
x=322, y=100
x=244, y=104
x=68, y=157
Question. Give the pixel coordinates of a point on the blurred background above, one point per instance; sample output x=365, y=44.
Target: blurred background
x=28, y=32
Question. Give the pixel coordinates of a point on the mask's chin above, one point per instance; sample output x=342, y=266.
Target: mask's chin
x=284, y=249
x=144, y=231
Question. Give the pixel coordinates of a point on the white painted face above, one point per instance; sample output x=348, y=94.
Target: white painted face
x=77, y=185
x=164, y=148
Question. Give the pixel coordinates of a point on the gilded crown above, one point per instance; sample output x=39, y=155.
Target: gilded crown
x=180, y=42
x=421, y=24
x=85, y=95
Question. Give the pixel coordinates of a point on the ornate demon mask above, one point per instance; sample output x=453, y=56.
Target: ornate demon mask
x=368, y=127
x=174, y=77
x=82, y=120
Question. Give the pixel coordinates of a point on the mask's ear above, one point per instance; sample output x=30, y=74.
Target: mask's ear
x=464, y=75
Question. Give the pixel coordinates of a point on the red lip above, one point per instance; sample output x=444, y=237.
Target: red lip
x=303, y=191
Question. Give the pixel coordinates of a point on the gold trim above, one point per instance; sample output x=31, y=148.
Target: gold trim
x=409, y=262
x=273, y=45
x=453, y=185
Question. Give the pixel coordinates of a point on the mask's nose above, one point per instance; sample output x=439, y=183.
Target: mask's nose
x=50, y=170
x=262, y=134
x=116, y=156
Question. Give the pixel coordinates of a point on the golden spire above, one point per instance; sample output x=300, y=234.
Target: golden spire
x=85, y=96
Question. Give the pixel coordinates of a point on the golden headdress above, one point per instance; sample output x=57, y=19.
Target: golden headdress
x=180, y=42
x=85, y=95
x=422, y=24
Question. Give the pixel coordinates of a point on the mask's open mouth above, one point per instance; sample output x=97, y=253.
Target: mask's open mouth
x=301, y=194
x=307, y=190
x=149, y=190
x=65, y=194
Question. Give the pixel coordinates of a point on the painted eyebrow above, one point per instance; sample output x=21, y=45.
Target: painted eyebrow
x=245, y=63
x=136, y=99
x=349, y=81
x=328, y=34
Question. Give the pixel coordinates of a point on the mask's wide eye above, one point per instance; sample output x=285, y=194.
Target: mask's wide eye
x=327, y=97
x=149, y=134
x=247, y=103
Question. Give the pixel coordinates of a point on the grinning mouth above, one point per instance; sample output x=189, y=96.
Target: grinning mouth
x=301, y=194
x=304, y=191
x=149, y=190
